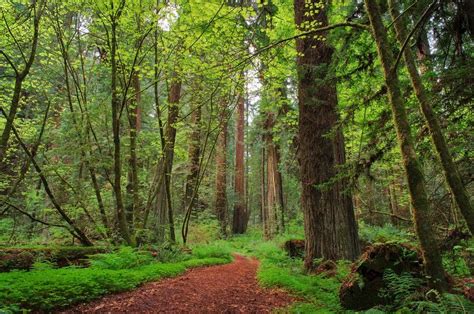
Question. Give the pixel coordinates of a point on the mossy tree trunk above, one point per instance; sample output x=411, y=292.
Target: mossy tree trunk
x=416, y=184
x=116, y=108
x=194, y=153
x=450, y=170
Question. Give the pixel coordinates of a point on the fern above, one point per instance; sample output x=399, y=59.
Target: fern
x=399, y=287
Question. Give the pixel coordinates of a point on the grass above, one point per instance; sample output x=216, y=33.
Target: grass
x=46, y=288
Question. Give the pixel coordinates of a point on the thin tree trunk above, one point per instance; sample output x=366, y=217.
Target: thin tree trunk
x=164, y=195
x=74, y=230
x=416, y=184
x=194, y=153
x=450, y=170
x=116, y=108
x=263, y=193
x=330, y=226
x=133, y=183
x=20, y=76
x=221, y=172
x=240, y=217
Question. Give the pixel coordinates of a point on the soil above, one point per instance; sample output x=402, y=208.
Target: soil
x=231, y=288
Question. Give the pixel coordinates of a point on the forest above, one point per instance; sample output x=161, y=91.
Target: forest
x=236, y=156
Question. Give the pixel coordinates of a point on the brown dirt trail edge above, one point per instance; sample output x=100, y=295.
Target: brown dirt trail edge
x=230, y=288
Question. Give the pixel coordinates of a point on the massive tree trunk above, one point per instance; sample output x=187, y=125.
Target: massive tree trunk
x=450, y=170
x=330, y=227
x=194, y=153
x=116, y=106
x=240, y=218
x=221, y=172
x=416, y=184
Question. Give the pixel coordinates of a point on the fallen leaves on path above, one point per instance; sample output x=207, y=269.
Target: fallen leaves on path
x=231, y=288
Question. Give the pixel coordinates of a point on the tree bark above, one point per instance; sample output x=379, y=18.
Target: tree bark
x=163, y=200
x=116, y=108
x=450, y=170
x=240, y=217
x=273, y=216
x=221, y=172
x=416, y=184
x=194, y=153
x=134, y=118
x=330, y=226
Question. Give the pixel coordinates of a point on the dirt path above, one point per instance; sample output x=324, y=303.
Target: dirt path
x=230, y=288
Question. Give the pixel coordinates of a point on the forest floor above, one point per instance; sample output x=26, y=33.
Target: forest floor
x=230, y=288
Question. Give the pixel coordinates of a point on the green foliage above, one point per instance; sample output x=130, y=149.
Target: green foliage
x=459, y=261
x=399, y=288
x=387, y=233
x=45, y=289
x=216, y=250
x=435, y=302
x=125, y=258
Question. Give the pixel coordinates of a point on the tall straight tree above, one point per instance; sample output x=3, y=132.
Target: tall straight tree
x=450, y=170
x=240, y=217
x=221, y=171
x=416, y=184
x=163, y=199
x=194, y=156
x=116, y=108
x=330, y=226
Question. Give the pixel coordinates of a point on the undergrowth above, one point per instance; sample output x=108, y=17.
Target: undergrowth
x=320, y=293
x=45, y=288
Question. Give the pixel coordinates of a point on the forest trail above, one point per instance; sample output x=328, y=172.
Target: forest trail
x=230, y=288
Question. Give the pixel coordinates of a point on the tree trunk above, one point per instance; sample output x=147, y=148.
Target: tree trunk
x=20, y=76
x=450, y=170
x=416, y=184
x=221, y=172
x=240, y=217
x=330, y=227
x=163, y=200
x=194, y=153
x=134, y=118
x=263, y=193
x=116, y=106
x=274, y=190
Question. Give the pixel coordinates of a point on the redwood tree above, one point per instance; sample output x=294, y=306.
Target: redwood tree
x=240, y=218
x=330, y=227
x=221, y=172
